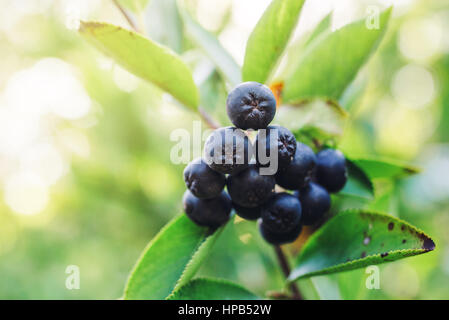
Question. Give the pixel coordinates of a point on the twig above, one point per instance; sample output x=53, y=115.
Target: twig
x=127, y=16
x=282, y=259
x=208, y=119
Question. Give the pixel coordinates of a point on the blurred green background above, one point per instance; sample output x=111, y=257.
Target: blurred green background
x=85, y=171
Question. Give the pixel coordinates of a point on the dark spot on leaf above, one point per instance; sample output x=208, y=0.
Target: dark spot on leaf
x=383, y=255
x=402, y=228
x=428, y=244
x=404, y=241
x=390, y=226
x=363, y=254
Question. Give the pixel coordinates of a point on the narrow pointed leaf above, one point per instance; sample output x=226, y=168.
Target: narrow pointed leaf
x=383, y=168
x=269, y=38
x=212, y=289
x=165, y=13
x=356, y=239
x=144, y=58
x=135, y=6
x=331, y=63
x=170, y=259
x=214, y=50
x=359, y=183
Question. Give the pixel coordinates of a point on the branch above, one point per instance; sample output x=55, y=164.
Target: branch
x=282, y=259
x=127, y=16
x=208, y=119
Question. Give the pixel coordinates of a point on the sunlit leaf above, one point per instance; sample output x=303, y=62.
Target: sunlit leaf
x=331, y=63
x=356, y=239
x=214, y=50
x=170, y=259
x=165, y=13
x=212, y=289
x=325, y=117
x=269, y=38
x=134, y=5
x=144, y=58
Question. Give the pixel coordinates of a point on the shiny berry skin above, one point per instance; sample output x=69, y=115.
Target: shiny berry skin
x=247, y=213
x=282, y=213
x=276, y=138
x=228, y=150
x=250, y=189
x=315, y=203
x=331, y=172
x=278, y=238
x=208, y=212
x=202, y=181
x=251, y=105
x=300, y=170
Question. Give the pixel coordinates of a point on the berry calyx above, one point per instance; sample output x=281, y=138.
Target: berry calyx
x=251, y=105
x=228, y=150
x=276, y=138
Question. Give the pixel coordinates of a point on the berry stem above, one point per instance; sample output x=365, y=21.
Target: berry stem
x=127, y=16
x=208, y=119
x=282, y=259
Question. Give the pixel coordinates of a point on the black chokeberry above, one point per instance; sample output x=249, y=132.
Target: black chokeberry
x=208, y=212
x=276, y=138
x=282, y=213
x=228, y=150
x=202, y=181
x=251, y=105
x=315, y=202
x=331, y=170
x=247, y=213
x=300, y=170
x=279, y=238
x=250, y=189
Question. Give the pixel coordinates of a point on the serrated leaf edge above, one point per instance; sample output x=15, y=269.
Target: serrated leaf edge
x=208, y=279
x=150, y=244
x=366, y=212
x=184, y=278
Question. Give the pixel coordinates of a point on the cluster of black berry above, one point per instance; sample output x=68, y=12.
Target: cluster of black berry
x=229, y=151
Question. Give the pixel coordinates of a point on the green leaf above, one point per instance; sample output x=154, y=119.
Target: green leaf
x=385, y=168
x=356, y=239
x=135, y=6
x=269, y=38
x=212, y=289
x=323, y=26
x=296, y=49
x=165, y=13
x=325, y=118
x=358, y=184
x=214, y=50
x=331, y=62
x=144, y=58
x=170, y=259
